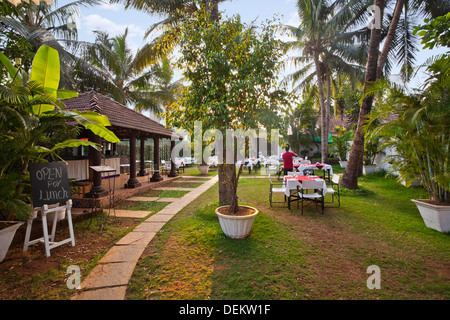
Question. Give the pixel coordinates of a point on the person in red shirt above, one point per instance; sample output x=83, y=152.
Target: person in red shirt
x=287, y=159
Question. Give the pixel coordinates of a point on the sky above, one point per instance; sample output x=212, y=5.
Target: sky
x=114, y=19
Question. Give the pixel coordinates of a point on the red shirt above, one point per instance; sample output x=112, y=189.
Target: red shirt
x=287, y=158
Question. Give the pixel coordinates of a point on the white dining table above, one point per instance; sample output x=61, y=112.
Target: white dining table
x=295, y=181
x=317, y=166
x=292, y=182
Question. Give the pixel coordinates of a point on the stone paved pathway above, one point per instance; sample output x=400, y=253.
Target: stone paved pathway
x=109, y=279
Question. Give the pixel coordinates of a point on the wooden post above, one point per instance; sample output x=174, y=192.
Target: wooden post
x=95, y=159
x=156, y=176
x=133, y=182
x=142, y=158
x=173, y=171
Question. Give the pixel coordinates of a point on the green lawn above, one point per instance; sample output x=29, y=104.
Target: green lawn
x=165, y=193
x=289, y=256
x=153, y=206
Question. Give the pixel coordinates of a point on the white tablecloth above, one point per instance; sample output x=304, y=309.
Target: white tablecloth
x=314, y=167
x=292, y=183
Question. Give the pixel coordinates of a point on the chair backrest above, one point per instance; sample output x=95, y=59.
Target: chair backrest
x=305, y=162
x=312, y=185
x=270, y=179
x=336, y=179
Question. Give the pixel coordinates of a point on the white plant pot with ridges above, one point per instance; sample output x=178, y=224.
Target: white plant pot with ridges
x=369, y=168
x=435, y=216
x=6, y=237
x=203, y=169
x=343, y=164
x=236, y=227
x=61, y=215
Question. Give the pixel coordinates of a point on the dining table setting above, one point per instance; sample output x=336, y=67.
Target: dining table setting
x=294, y=181
x=327, y=169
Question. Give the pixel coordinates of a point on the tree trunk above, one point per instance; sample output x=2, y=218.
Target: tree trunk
x=328, y=77
x=227, y=177
x=323, y=111
x=354, y=164
x=213, y=7
x=390, y=37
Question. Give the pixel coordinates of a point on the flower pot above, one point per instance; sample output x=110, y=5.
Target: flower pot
x=411, y=183
x=6, y=237
x=61, y=214
x=343, y=164
x=203, y=169
x=369, y=168
x=436, y=217
x=236, y=227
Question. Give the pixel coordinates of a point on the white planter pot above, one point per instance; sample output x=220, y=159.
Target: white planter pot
x=203, y=169
x=369, y=168
x=60, y=215
x=236, y=227
x=435, y=217
x=343, y=164
x=411, y=183
x=6, y=237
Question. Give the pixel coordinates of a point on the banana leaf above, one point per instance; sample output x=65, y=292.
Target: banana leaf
x=13, y=72
x=70, y=143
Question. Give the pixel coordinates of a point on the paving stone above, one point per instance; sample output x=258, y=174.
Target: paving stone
x=108, y=275
x=130, y=253
x=149, y=227
x=160, y=218
x=109, y=279
x=136, y=238
x=110, y=293
x=167, y=199
x=130, y=213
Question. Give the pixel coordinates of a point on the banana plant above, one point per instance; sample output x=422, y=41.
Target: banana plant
x=46, y=72
x=32, y=127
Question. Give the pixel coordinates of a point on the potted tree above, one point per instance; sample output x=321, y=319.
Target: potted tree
x=370, y=152
x=231, y=68
x=340, y=144
x=36, y=129
x=420, y=133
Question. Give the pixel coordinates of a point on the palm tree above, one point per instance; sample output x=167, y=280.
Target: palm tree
x=44, y=24
x=163, y=86
x=327, y=47
x=376, y=62
x=302, y=120
x=119, y=76
x=173, y=12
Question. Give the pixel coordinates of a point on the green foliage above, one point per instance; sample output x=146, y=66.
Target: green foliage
x=28, y=26
x=435, y=32
x=139, y=80
x=340, y=145
x=370, y=150
x=302, y=121
x=421, y=132
x=33, y=128
x=231, y=70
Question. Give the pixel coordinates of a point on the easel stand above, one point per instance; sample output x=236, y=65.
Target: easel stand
x=49, y=241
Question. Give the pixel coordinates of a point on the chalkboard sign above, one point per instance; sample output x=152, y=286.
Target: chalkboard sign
x=49, y=183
